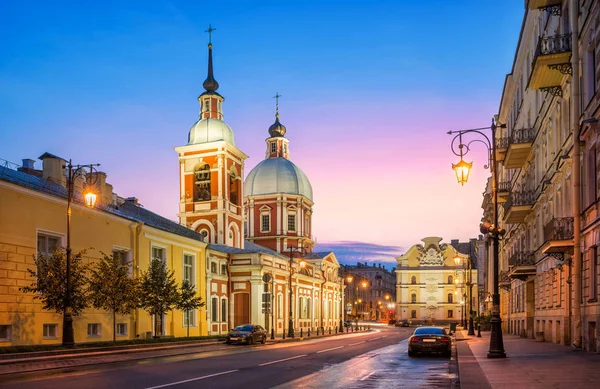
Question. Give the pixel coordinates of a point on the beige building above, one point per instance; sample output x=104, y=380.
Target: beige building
x=548, y=177
x=431, y=287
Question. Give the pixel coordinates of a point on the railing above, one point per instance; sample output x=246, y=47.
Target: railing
x=521, y=259
x=526, y=197
x=504, y=186
x=502, y=143
x=522, y=135
x=553, y=45
x=560, y=228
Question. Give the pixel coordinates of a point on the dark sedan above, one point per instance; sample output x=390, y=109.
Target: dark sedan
x=247, y=333
x=430, y=340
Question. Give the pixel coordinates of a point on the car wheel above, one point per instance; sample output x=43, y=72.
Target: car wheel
x=263, y=340
x=410, y=353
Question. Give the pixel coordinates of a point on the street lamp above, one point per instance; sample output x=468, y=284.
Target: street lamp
x=302, y=263
x=89, y=197
x=496, y=348
x=469, y=284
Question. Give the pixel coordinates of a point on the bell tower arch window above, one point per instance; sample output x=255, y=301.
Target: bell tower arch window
x=202, y=182
x=234, y=183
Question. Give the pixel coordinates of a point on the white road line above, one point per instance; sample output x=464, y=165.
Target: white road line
x=367, y=376
x=192, y=379
x=282, y=360
x=370, y=340
x=329, y=349
x=354, y=344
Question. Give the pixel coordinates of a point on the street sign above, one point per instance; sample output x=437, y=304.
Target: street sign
x=266, y=277
x=267, y=311
x=266, y=297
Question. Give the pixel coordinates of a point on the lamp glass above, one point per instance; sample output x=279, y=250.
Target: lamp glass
x=457, y=260
x=90, y=199
x=462, y=170
x=349, y=278
x=364, y=284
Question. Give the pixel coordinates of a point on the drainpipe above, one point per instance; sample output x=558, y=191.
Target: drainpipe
x=229, y=292
x=576, y=173
x=136, y=269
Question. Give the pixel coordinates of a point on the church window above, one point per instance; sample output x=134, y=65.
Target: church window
x=450, y=297
x=291, y=222
x=206, y=106
x=202, y=183
x=285, y=148
x=273, y=147
x=450, y=279
x=233, y=185
x=413, y=280
x=265, y=224
x=413, y=298
x=306, y=225
x=413, y=314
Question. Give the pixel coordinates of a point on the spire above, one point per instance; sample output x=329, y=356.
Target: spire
x=210, y=84
x=277, y=129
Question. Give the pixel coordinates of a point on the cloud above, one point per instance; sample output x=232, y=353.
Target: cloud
x=351, y=252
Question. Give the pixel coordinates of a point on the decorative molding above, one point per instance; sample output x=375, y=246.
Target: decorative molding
x=565, y=68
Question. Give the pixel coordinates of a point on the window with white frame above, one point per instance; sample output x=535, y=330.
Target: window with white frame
x=223, y=310
x=5, y=333
x=47, y=243
x=280, y=306
x=292, y=223
x=188, y=269
x=213, y=267
x=189, y=318
x=121, y=329
x=122, y=255
x=50, y=331
x=94, y=330
x=273, y=147
x=158, y=253
x=224, y=269
x=265, y=225
x=214, y=311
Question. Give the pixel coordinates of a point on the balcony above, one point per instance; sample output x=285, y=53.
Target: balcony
x=518, y=206
x=522, y=265
x=558, y=236
x=536, y=4
x=519, y=147
x=501, y=146
x=503, y=280
x=551, y=63
x=503, y=191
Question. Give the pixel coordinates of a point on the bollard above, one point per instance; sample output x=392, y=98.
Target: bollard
x=479, y=330
x=336, y=329
x=308, y=332
x=347, y=329
x=272, y=333
x=301, y=333
x=283, y=334
x=329, y=330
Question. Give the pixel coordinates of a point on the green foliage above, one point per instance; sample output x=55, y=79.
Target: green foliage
x=111, y=288
x=158, y=292
x=188, y=301
x=50, y=281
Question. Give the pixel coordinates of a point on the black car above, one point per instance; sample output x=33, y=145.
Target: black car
x=247, y=333
x=430, y=340
x=402, y=323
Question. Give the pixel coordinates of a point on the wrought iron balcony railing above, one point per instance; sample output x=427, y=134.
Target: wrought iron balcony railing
x=504, y=186
x=521, y=259
x=560, y=228
x=526, y=197
x=553, y=45
x=502, y=143
x=522, y=135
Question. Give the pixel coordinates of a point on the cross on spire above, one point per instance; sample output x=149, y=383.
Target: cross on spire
x=210, y=30
x=276, y=97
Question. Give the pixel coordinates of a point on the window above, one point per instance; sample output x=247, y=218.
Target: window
x=47, y=244
x=214, y=312
x=50, y=331
x=291, y=222
x=450, y=297
x=94, y=330
x=450, y=313
x=188, y=269
x=273, y=147
x=279, y=306
x=121, y=329
x=158, y=253
x=594, y=273
x=413, y=298
x=223, y=310
x=122, y=256
x=413, y=314
x=189, y=318
x=265, y=225
x=5, y=332
x=590, y=76
x=306, y=225
x=450, y=279
x=592, y=178
x=285, y=148
x=213, y=267
x=202, y=183
x=413, y=280
x=223, y=269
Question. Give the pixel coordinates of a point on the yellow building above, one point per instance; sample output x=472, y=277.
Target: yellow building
x=432, y=287
x=33, y=218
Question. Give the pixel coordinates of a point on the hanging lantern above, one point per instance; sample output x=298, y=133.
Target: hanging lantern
x=90, y=199
x=462, y=170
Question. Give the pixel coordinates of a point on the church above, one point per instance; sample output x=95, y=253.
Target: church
x=260, y=264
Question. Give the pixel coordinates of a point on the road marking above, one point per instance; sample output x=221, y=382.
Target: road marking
x=354, y=344
x=370, y=340
x=367, y=376
x=192, y=379
x=282, y=360
x=329, y=349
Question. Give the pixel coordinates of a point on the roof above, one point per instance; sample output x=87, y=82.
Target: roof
x=318, y=255
x=127, y=210
x=277, y=175
x=249, y=248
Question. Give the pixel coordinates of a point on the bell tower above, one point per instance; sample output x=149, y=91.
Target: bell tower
x=211, y=171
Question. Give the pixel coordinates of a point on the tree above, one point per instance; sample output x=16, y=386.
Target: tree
x=188, y=301
x=111, y=288
x=50, y=281
x=158, y=292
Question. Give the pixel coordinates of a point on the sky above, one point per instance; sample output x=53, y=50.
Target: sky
x=369, y=91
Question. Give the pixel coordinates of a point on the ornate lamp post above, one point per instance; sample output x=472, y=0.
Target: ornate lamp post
x=89, y=197
x=302, y=263
x=496, y=349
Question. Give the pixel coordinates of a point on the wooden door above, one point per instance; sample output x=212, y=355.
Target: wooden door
x=242, y=309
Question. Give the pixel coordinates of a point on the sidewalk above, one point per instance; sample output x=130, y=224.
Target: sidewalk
x=528, y=364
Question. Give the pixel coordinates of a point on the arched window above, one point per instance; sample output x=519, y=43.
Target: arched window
x=202, y=183
x=413, y=280
x=450, y=279
x=450, y=297
x=413, y=298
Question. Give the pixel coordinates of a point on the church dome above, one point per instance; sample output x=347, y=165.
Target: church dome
x=277, y=175
x=210, y=130
x=277, y=129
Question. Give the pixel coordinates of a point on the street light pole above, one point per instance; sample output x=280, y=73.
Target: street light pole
x=496, y=348
x=300, y=250
x=470, y=285
x=68, y=338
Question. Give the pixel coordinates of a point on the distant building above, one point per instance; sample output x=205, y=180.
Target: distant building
x=369, y=291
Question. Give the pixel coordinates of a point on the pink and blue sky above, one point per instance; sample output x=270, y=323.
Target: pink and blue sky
x=369, y=90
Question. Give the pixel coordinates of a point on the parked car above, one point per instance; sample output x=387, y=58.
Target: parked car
x=347, y=323
x=403, y=323
x=247, y=333
x=430, y=340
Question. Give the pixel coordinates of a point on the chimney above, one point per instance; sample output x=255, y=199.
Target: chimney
x=132, y=200
x=28, y=163
x=53, y=168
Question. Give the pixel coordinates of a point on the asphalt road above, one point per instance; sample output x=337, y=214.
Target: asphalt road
x=351, y=361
